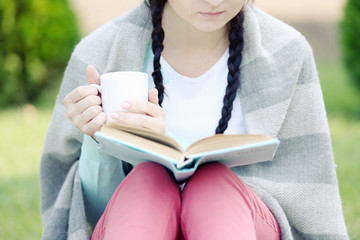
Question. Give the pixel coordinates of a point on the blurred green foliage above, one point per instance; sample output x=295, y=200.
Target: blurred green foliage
x=36, y=40
x=350, y=33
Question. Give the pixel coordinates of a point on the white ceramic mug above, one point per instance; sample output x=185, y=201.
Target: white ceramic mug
x=117, y=87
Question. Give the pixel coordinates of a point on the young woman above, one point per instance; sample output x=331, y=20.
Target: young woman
x=217, y=66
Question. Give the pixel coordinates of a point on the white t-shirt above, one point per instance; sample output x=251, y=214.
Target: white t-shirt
x=192, y=111
x=193, y=105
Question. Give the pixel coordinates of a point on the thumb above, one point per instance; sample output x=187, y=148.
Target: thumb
x=92, y=75
x=153, y=96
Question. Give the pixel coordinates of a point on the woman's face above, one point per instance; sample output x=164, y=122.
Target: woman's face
x=205, y=15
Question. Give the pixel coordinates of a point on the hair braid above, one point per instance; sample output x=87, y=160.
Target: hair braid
x=235, y=57
x=157, y=36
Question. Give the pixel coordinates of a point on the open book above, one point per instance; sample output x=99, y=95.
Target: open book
x=136, y=145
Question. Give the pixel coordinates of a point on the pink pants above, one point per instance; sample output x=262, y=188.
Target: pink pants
x=215, y=204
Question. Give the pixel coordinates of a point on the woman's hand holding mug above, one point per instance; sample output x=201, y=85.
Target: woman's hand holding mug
x=83, y=105
x=124, y=98
x=147, y=114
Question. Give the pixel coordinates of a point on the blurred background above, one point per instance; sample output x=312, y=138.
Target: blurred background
x=36, y=40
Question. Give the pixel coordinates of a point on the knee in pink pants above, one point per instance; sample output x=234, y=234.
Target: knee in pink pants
x=146, y=205
x=215, y=204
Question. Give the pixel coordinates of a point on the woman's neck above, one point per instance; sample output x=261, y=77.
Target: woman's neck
x=184, y=43
x=185, y=36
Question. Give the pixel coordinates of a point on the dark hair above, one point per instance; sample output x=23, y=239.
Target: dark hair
x=234, y=60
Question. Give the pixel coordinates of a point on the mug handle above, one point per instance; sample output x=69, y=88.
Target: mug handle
x=97, y=86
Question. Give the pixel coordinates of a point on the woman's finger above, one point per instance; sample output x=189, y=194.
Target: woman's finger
x=87, y=102
x=94, y=124
x=84, y=118
x=141, y=120
x=153, y=96
x=148, y=108
x=74, y=109
x=92, y=75
x=79, y=93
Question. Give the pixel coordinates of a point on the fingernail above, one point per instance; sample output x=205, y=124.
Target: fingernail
x=125, y=105
x=114, y=115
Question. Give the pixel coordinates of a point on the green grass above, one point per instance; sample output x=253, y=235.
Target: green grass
x=341, y=98
x=342, y=102
x=345, y=138
x=23, y=132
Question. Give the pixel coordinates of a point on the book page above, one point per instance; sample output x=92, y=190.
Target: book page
x=146, y=133
x=141, y=143
x=222, y=141
x=236, y=156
